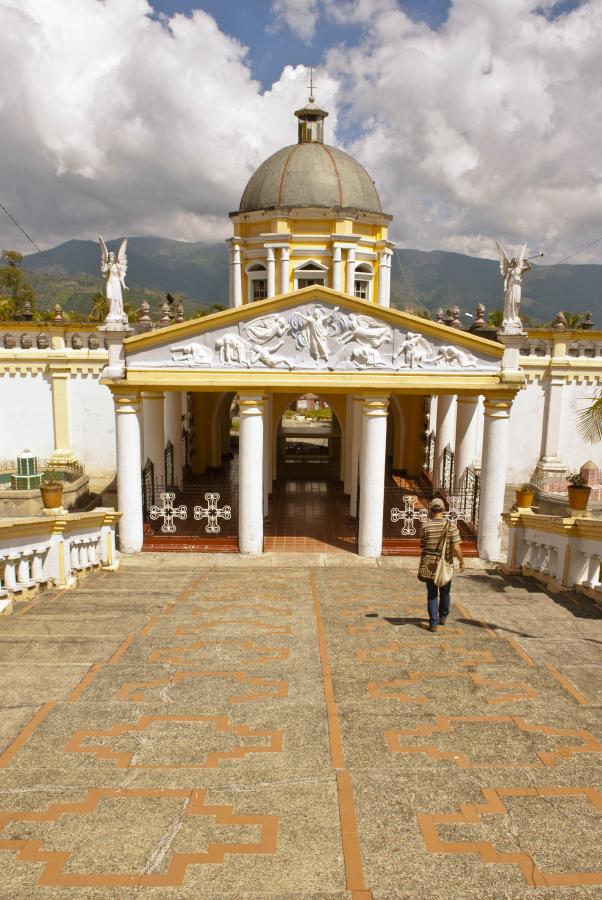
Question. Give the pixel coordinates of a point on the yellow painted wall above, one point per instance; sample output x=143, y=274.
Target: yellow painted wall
x=413, y=449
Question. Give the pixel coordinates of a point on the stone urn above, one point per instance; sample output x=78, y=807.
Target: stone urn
x=76, y=342
x=43, y=342
x=9, y=341
x=26, y=341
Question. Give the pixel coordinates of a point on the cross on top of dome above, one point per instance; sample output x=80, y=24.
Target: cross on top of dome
x=311, y=117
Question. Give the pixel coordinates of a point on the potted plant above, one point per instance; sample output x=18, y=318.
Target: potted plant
x=51, y=487
x=579, y=492
x=524, y=496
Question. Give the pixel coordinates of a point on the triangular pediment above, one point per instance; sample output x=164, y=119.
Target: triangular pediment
x=313, y=330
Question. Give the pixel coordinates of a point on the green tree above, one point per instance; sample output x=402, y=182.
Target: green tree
x=573, y=320
x=589, y=421
x=495, y=317
x=100, y=308
x=15, y=290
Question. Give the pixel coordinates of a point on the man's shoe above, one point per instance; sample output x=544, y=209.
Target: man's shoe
x=442, y=620
x=433, y=628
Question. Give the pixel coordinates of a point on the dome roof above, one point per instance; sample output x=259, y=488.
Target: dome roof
x=310, y=174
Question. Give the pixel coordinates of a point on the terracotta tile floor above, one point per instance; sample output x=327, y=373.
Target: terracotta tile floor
x=309, y=515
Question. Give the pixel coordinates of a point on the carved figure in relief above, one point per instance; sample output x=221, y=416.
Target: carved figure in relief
x=232, y=350
x=313, y=330
x=267, y=356
x=114, y=269
x=266, y=328
x=453, y=356
x=366, y=330
x=513, y=270
x=191, y=355
x=367, y=358
x=414, y=350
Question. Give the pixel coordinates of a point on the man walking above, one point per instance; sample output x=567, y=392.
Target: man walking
x=438, y=598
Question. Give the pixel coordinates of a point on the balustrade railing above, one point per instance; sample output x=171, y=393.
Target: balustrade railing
x=35, y=551
x=566, y=554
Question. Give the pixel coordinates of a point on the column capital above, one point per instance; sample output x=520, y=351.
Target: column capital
x=126, y=401
x=152, y=395
x=251, y=404
x=468, y=398
x=498, y=405
x=375, y=405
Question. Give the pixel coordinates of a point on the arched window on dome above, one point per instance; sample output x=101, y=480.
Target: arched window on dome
x=362, y=286
x=257, y=277
x=309, y=274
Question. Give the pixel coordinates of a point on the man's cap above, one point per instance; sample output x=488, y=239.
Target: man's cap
x=437, y=504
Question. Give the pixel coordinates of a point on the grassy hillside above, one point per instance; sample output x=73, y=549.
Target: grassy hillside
x=198, y=274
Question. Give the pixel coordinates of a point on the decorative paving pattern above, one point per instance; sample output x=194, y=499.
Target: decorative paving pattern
x=293, y=733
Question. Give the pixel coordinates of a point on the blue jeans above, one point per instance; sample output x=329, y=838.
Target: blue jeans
x=438, y=601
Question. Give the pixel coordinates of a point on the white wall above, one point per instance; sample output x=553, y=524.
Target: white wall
x=25, y=415
x=92, y=425
x=573, y=449
x=526, y=423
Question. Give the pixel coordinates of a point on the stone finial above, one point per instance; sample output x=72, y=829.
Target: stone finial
x=165, y=315
x=560, y=323
x=180, y=313
x=440, y=316
x=455, y=323
x=58, y=315
x=143, y=312
x=479, y=315
x=587, y=323
x=9, y=341
x=26, y=311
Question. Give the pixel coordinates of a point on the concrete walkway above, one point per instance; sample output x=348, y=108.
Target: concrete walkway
x=224, y=728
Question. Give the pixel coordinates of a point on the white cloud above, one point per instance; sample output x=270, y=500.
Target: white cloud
x=115, y=121
x=490, y=126
x=301, y=16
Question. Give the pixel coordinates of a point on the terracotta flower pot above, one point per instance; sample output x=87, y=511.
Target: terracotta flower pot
x=52, y=495
x=579, y=497
x=524, y=499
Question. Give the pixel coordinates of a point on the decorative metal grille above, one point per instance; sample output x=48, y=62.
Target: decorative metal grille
x=409, y=514
x=469, y=492
x=447, y=470
x=212, y=513
x=185, y=447
x=168, y=512
x=169, y=470
x=429, y=456
x=148, y=487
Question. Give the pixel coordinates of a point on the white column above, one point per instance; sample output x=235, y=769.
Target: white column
x=493, y=476
x=389, y=260
x=284, y=269
x=250, y=480
x=347, y=441
x=129, y=467
x=382, y=278
x=350, y=282
x=550, y=451
x=336, y=269
x=467, y=421
x=236, y=277
x=372, y=475
x=271, y=260
x=267, y=455
x=153, y=431
x=356, y=445
x=230, y=276
x=445, y=433
x=172, y=422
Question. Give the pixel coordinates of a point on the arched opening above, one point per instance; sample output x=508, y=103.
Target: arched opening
x=309, y=440
x=308, y=509
x=257, y=277
x=362, y=287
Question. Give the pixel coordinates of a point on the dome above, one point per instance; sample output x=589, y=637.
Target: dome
x=310, y=174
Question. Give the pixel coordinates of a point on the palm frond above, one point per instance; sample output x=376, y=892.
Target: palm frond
x=589, y=422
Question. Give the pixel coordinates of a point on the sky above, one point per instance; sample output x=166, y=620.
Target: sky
x=479, y=120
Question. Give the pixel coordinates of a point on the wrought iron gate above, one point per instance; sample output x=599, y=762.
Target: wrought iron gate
x=202, y=514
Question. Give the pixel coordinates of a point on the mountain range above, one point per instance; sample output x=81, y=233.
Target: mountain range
x=197, y=274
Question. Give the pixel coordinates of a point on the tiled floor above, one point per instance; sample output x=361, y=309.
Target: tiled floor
x=310, y=515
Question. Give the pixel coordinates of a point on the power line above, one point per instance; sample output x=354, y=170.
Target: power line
x=407, y=280
x=30, y=239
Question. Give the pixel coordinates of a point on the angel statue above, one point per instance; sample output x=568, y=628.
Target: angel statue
x=114, y=270
x=512, y=270
x=312, y=331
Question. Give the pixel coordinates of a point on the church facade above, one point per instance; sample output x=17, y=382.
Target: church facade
x=309, y=313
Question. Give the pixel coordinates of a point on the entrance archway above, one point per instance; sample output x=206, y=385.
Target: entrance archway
x=308, y=509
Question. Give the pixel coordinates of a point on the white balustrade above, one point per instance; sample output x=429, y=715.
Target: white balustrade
x=564, y=553
x=50, y=550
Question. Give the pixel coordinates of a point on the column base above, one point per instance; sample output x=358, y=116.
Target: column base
x=62, y=457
